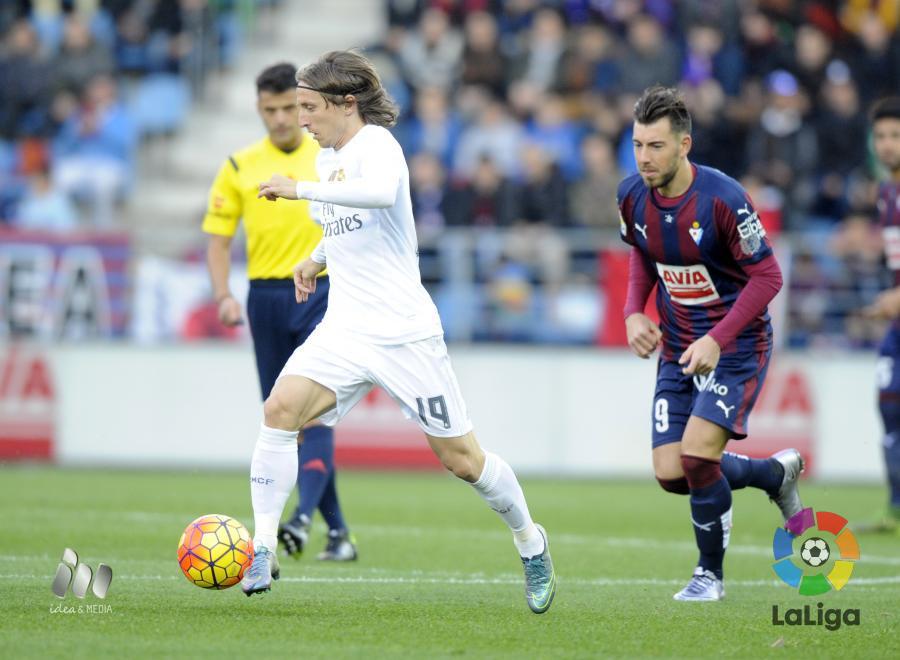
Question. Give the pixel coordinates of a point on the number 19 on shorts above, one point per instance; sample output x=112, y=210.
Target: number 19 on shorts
x=437, y=409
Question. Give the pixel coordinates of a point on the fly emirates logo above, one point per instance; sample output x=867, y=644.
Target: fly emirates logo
x=334, y=224
x=688, y=285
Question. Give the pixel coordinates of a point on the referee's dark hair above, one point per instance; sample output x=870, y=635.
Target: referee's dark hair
x=886, y=108
x=277, y=78
x=657, y=102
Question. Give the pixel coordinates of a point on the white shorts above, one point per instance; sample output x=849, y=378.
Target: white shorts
x=416, y=375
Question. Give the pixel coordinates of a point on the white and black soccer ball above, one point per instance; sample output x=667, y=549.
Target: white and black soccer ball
x=815, y=552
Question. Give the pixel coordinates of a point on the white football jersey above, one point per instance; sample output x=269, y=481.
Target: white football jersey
x=369, y=241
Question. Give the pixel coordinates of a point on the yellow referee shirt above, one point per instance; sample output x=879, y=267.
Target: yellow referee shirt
x=279, y=234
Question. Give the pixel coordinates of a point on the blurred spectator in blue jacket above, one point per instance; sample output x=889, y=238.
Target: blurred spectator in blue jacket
x=94, y=151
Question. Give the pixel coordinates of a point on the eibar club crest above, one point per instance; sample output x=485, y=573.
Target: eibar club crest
x=696, y=232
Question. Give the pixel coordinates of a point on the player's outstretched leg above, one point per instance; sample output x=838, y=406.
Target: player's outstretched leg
x=777, y=475
x=494, y=480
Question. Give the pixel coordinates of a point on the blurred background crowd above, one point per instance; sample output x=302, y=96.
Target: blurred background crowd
x=516, y=122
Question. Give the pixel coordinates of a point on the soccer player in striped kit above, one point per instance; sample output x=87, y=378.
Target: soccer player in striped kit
x=886, y=141
x=278, y=236
x=694, y=232
x=381, y=327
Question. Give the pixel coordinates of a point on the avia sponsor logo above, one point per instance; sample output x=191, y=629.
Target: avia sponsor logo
x=688, y=285
x=831, y=618
x=342, y=225
x=708, y=383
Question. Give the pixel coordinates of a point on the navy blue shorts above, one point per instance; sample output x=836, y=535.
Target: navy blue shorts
x=279, y=324
x=887, y=373
x=724, y=397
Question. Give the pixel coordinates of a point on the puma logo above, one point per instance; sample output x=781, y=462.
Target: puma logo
x=642, y=229
x=726, y=409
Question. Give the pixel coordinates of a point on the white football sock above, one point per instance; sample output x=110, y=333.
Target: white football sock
x=499, y=487
x=273, y=475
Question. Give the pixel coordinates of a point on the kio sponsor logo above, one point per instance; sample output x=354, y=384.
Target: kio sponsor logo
x=708, y=383
x=80, y=576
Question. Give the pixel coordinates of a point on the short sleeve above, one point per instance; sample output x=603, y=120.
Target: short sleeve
x=224, y=206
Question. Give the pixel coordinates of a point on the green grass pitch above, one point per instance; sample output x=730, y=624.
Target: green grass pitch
x=438, y=575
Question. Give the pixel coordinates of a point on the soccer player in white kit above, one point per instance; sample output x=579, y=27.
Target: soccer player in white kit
x=381, y=327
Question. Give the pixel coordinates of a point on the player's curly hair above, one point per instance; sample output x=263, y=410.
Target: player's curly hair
x=886, y=108
x=342, y=73
x=657, y=102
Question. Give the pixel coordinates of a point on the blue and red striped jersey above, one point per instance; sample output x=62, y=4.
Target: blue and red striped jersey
x=889, y=219
x=698, y=246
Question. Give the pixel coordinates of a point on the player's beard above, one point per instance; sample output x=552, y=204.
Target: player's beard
x=666, y=178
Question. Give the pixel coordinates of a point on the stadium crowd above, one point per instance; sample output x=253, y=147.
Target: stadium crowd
x=516, y=122
x=84, y=83
x=517, y=115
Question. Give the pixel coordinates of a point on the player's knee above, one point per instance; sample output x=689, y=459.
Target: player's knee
x=678, y=485
x=281, y=413
x=700, y=472
x=462, y=466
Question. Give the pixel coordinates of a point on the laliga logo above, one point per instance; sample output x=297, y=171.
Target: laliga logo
x=821, y=569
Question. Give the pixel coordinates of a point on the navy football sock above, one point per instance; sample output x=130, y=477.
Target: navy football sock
x=330, y=506
x=742, y=471
x=890, y=416
x=315, y=467
x=710, y=510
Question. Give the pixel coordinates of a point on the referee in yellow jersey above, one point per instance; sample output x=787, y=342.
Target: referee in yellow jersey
x=279, y=236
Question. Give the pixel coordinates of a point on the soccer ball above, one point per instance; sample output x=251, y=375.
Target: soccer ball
x=815, y=552
x=214, y=551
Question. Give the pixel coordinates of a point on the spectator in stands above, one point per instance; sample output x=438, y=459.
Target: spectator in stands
x=493, y=132
x=94, y=151
x=812, y=52
x=551, y=129
x=650, y=57
x=875, y=58
x=841, y=132
x=45, y=207
x=434, y=128
x=487, y=199
x=483, y=62
x=80, y=57
x=782, y=149
x=25, y=91
x=536, y=64
x=431, y=55
x=709, y=56
x=543, y=209
x=760, y=44
x=713, y=132
x=428, y=189
x=593, y=196
x=589, y=62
